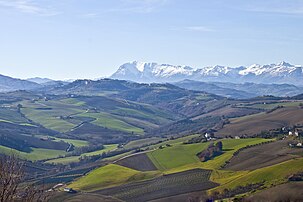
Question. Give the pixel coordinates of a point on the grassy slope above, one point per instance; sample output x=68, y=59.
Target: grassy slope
x=183, y=157
x=142, y=142
x=11, y=116
x=49, y=118
x=71, y=159
x=108, y=176
x=173, y=159
x=76, y=143
x=108, y=121
x=176, y=156
x=35, y=155
x=271, y=175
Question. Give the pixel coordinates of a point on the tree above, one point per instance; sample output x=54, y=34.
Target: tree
x=219, y=145
x=11, y=178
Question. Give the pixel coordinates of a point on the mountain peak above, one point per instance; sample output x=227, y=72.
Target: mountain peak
x=283, y=63
x=282, y=72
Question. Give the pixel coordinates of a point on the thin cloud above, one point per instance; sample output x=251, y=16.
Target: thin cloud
x=27, y=6
x=199, y=29
x=294, y=7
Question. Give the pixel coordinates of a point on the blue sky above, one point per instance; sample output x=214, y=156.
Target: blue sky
x=91, y=38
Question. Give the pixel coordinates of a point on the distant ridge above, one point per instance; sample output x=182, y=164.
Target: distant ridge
x=280, y=73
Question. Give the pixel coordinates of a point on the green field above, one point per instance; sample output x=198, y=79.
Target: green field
x=176, y=156
x=47, y=113
x=183, y=157
x=71, y=159
x=73, y=101
x=142, y=142
x=11, y=116
x=271, y=175
x=76, y=143
x=108, y=121
x=35, y=155
x=108, y=176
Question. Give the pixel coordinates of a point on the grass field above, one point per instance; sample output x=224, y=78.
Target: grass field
x=109, y=176
x=183, y=157
x=12, y=116
x=47, y=113
x=76, y=143
x=71, y=159
x=142, y=142
x=176, y=156
x=271, y=175
x=35, y=155
x=108, y=121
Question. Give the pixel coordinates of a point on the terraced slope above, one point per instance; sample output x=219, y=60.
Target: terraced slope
x=165, y=186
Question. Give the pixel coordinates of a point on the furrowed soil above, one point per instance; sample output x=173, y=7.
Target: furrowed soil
x=139, y=162
x=292, y=191
x=254, y=124
x=162, y=187
x=263, y=155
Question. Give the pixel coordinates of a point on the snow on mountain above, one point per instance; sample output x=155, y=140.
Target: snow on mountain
x=282, y=72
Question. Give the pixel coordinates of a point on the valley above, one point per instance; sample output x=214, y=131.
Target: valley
x=124, y=141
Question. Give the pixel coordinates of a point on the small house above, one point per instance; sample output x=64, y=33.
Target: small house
x=69, y=190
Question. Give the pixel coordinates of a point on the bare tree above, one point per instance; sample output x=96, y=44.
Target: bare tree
x=12, y=186
x=11, y=175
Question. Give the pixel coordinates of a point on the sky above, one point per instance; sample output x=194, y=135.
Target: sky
x=69, y=39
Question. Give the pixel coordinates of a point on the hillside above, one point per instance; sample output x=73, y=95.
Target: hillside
x=12, y=84
x=255, y=124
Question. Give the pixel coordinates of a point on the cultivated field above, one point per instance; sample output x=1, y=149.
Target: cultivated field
x=109, y=176
x=291, y=191
x=176, y=155
x=35, y=155
x=271, y=175
x=263, y=155
x=254, y=124
x=139, y=162
x=71, y=159
x=165, y=186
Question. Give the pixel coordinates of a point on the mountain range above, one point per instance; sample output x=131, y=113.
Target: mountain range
x=282, y=79
x=280, y=73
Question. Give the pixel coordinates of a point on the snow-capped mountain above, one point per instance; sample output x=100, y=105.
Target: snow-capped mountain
x=152, y=72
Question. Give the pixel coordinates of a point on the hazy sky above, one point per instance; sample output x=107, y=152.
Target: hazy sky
x=92, y=38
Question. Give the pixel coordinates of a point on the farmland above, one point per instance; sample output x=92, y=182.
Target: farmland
x=263, y=155
x=164, y=186
x=36, y=153
x=176, y=156
x=109, y=176
x=71, y=159
x=254, y=124
x=286, y=192
x=183, y=157
x=109, y=121
x=139, y=162
x=271, y=175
